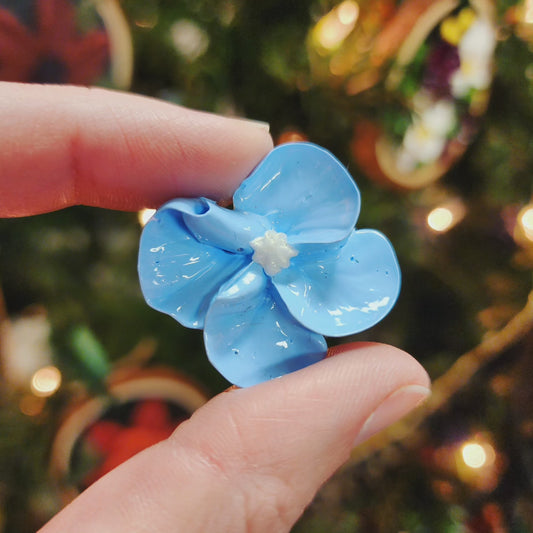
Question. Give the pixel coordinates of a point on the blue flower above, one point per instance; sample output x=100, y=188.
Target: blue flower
x=268, y=279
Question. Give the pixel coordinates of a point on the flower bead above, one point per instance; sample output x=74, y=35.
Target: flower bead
x=270, y=278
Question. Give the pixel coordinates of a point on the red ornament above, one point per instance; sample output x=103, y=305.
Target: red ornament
x=142, y=408
x=54, y=51
x=151, y=422
x=152, y=414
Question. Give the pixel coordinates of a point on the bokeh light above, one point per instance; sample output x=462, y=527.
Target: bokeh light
x=440, y=219
x=144, y=215
x=333, y=28
x=445, y=216
x=526, y=221
x=46, y=381
x=474, y=455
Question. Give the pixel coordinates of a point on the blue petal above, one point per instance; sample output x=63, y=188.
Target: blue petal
x=179, y=275
x=304, y=192
x=342, y=289
x=250, y=336
x=224, y=228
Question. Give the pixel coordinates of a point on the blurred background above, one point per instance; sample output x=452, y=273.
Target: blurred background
x=429, y=103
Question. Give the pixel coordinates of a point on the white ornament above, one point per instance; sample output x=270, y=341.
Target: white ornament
x=476, y=49
x=426, y=138
x=272, y=252
x=440, y=117
x=422, y=144
x=26, y=348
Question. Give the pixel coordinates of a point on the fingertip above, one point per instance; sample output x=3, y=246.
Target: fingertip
x=73, y=145
x=387, y=356
x=273, y=444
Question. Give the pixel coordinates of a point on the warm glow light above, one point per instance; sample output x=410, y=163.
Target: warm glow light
x=446, y=216
x=474, y=455
x=348, y=12
x=145, y=215
x=477, y=463
x=528, y=14
x=330, y=36
x=189, y=39
x=526, y=220
x=334, y=27
x=440, y=219
x=46, y=381
x=523, y=227
x=478, y=454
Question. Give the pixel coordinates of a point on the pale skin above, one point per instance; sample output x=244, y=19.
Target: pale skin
x=251, y=459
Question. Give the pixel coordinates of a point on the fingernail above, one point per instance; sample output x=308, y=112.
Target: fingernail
x=394, y=407
x=265, y=126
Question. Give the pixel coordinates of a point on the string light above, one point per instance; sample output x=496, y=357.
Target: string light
x=46, y=381
x=477, y=463
x=522, y=231
x=444, y=217
x=477, y=454
x=145, y=215
x=474, y=455
x=348, y=12
x=525, y=219
x=440, y=219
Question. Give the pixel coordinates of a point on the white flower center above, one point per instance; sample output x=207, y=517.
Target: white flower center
x=272, y=252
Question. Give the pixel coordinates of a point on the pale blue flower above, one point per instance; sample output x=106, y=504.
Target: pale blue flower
x=268, y=279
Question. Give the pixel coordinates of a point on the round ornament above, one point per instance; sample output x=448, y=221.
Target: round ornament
x=65, y=42
x=141, y=408
x=434, y=93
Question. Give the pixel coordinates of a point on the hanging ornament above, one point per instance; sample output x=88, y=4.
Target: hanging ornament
x=436, y=88
x=65, y=41
x=345, y=46
x=141, y=407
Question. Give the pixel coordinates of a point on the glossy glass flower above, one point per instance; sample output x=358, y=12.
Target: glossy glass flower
x=268, y=279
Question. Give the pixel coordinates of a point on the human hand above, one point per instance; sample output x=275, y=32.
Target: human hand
x=250, y=459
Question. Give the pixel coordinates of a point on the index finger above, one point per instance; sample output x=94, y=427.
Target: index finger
x=64, y=146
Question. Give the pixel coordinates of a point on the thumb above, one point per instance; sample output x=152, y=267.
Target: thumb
x=252, y=459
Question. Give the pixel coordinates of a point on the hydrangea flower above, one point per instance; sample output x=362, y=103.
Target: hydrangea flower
x=270, y=278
